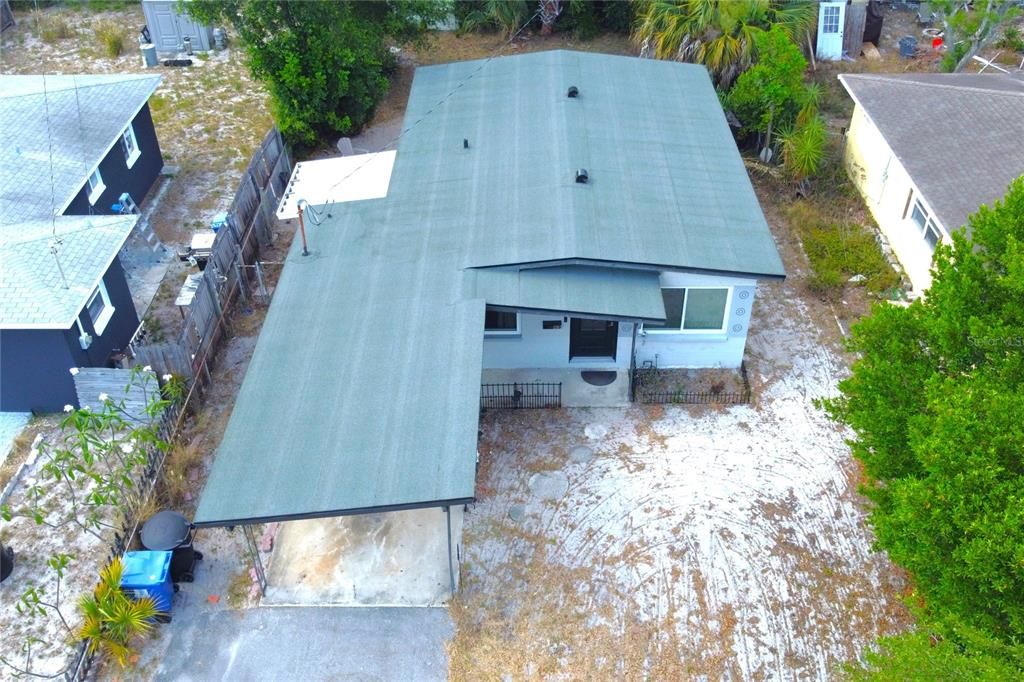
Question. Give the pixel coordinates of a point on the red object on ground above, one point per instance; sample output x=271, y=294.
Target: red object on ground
x=213, y=599
x=936, y=42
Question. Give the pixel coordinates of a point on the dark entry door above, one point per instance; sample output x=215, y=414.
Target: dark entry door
x=592, y=338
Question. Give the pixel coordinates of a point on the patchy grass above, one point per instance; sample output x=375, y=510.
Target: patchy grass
x=110, y=36
x=839, y=249
x=52, y=28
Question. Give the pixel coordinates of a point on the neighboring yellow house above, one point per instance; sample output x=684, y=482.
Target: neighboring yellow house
x=926, y=150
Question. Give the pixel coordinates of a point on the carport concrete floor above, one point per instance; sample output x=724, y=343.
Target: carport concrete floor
x=302, y=643
x=575, y=391
x=388, y=559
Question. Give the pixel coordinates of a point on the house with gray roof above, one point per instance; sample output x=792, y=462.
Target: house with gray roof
x=926, y=150
x=558, y=212
x=71, y=148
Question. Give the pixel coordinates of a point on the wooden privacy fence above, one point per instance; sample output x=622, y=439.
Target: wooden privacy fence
x=233, y=268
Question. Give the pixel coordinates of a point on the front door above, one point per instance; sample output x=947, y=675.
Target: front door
x=831, y=18
x=592, y=338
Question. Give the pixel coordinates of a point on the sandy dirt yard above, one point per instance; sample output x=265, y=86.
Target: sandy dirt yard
x=677, y=542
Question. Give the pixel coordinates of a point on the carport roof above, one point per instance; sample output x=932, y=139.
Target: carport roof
x=363, y=391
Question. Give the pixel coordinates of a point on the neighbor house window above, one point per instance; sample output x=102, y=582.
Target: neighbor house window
x=96, y=186
x=100, y=309
x=926, y=224
x=130, y=146
x=501, y=322
x=693, y=309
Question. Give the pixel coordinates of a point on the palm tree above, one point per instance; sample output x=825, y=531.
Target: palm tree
x=717, y=33
x=112, y=619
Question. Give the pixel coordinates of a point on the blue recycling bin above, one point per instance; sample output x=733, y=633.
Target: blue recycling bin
x=220, y=220
x=148, y=574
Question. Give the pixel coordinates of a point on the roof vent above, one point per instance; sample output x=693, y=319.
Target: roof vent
x=582, y=177
x=465, y=143
x=574, y=92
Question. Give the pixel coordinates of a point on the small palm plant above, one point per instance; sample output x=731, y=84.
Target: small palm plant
x=112, y=619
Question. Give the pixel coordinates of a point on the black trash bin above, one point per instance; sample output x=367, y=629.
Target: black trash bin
x=169, y=530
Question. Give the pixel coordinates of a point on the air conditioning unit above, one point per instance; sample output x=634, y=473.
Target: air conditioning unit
x=84, y=341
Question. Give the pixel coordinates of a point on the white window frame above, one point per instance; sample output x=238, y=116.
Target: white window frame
x=929, y=224
x=128, y=139
x=504, y=332
x=826, y=24
x=682, y=318
x=96, y=186
x=103, y=319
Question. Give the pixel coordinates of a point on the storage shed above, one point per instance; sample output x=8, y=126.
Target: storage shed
x=168, y=27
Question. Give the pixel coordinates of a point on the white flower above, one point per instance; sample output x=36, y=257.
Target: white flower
x=147, y=368
x=126, y=448
x=167, y=377
x=74, y=371
x=104, y=397
x=69, y=408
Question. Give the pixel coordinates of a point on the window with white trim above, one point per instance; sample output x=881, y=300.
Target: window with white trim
x=498, y=322
x=100, y=308
x=96, y=185
x=693, y=310
x=926, y=224
x=130, y=146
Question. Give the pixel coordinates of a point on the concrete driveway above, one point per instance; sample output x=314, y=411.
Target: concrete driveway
x=305, y=643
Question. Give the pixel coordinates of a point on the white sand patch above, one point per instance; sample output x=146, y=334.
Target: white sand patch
x=740, y=520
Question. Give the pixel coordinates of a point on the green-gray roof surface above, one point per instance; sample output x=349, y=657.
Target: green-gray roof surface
x=599, y=291
x=363, y=391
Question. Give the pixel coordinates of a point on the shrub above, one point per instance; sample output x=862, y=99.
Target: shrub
x=838, y=250
x=52, y=28
x=110, y=36
x=1012, y=39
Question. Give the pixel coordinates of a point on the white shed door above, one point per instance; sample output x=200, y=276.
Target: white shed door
x=831, y=17
x=165, y=33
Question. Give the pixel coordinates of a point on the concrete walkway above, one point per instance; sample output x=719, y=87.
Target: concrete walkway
x=305, y=643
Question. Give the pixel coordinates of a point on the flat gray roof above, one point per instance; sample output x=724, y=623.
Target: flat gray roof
x=363, y=391
x=959, y=135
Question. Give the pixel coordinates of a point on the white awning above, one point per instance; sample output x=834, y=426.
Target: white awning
x=338, y=179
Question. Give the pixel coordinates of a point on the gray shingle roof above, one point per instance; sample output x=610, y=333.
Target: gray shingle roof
x=960, y=136
x=32, y=290
x=70, y=120
x=54, y=129
x=363, y=391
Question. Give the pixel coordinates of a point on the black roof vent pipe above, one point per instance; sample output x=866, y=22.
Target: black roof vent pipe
x=574, y=92
x=582, y=177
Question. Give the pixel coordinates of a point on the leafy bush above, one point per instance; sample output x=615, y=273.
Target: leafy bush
x=52, y=28
x=934, y=401
x=504, y=15
x=838, y=250
x=324, y=63
x=770, y=94
x=111, y=37
x=1012, y=39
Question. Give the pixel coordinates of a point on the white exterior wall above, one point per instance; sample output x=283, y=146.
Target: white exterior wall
x=885, y=185
x=537, y=348
x=699, y=349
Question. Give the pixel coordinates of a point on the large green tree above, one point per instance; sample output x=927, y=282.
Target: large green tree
x=720, y=34
x=936, y=403
x=325, y=64
x=770, y=94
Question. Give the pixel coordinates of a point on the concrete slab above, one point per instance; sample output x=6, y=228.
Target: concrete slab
x=294, y=643
x=388, y=559
x=575, y=391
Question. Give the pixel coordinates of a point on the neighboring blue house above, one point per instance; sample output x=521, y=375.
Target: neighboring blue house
x=70, y=146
